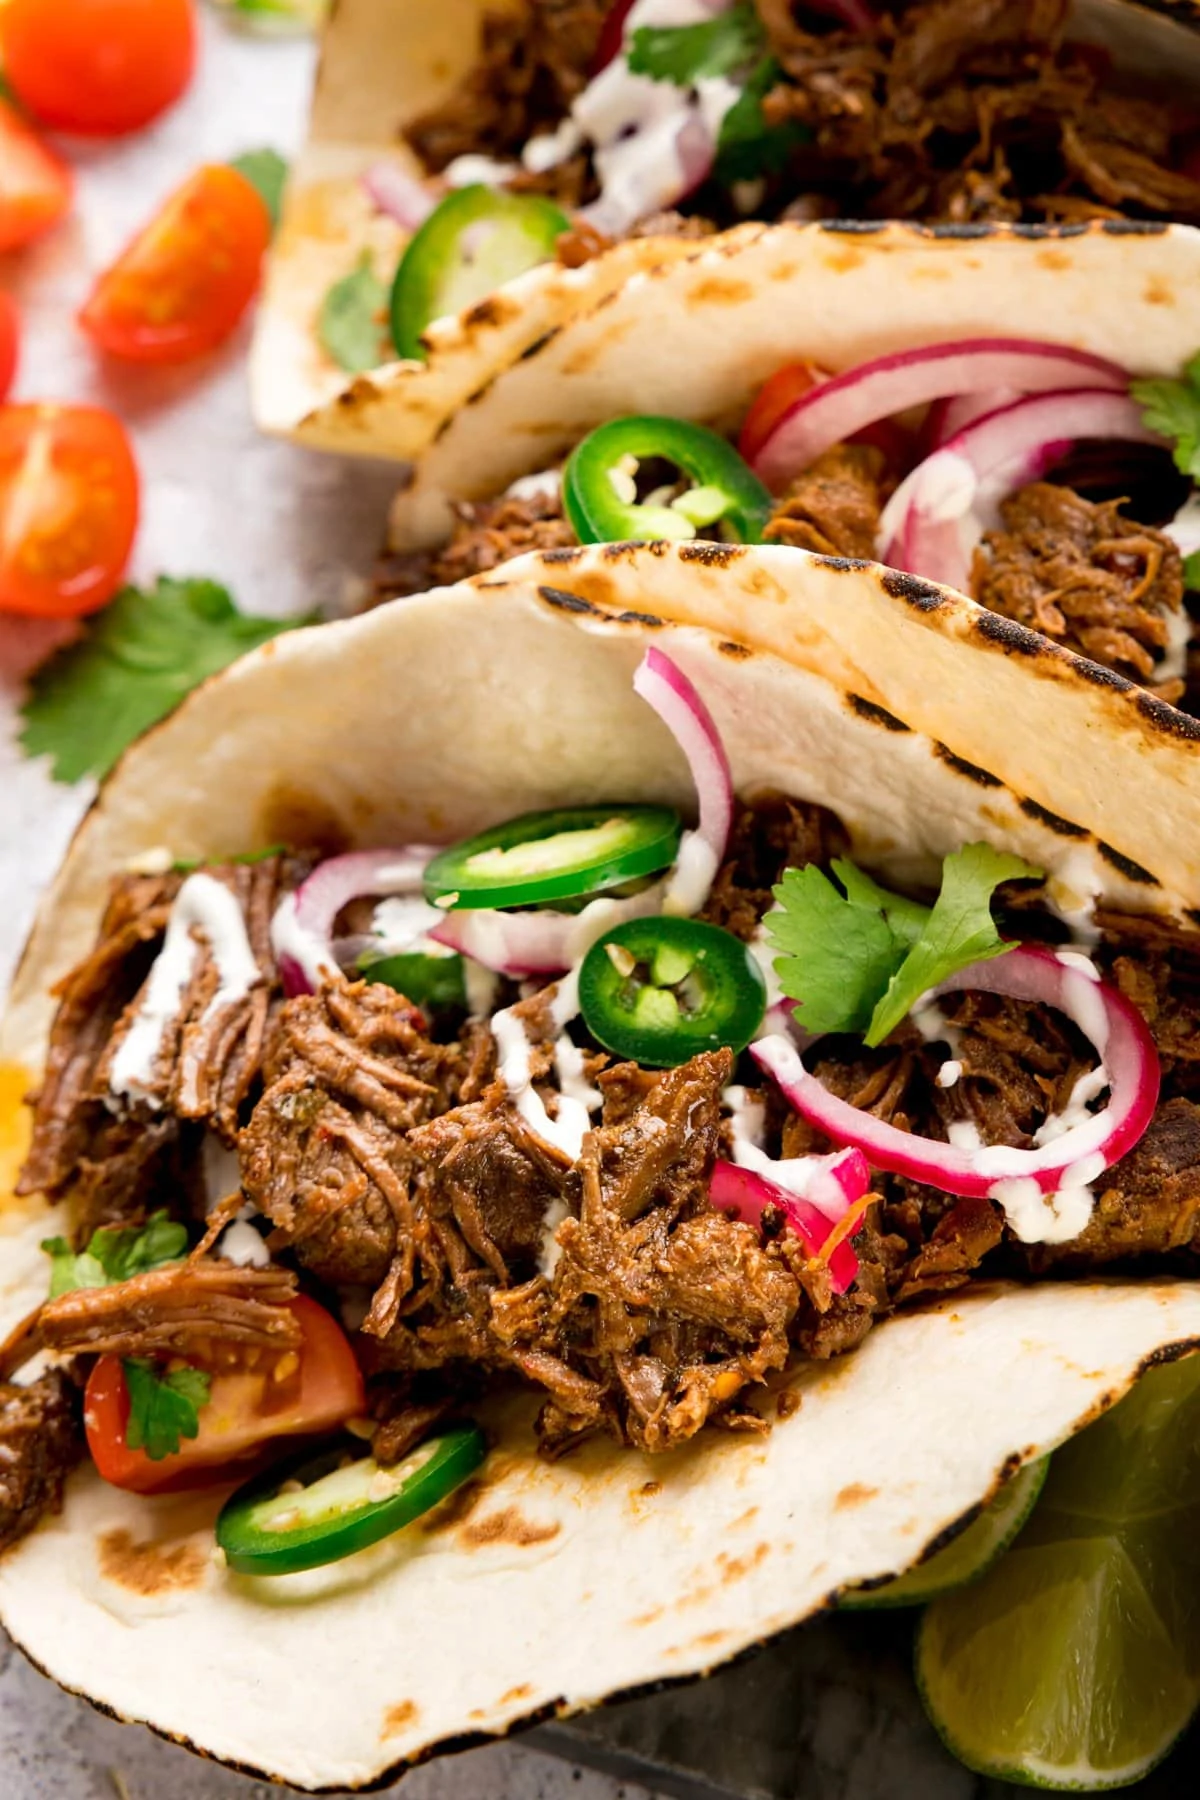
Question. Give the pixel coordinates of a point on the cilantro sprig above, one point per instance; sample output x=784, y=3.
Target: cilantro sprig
x=134, y=663
x=266, y=171
x=164, y=1406
x=858, y=958
x=351, y=322
x=686, y=54
x=1172, y=408
x=115, y=1253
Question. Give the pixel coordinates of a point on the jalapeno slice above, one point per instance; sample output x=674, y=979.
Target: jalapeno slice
x=321, y=1508
x=436, y=983
x=555, y=856
x=474, y=241
x=599, y=485
x=661, y=990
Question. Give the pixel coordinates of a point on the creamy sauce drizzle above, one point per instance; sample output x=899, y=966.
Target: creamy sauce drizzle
x=202, y=905
x=802, y=1176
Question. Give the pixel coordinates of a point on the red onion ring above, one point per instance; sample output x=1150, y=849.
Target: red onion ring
x=1027, y=972
x=937, y=515
x=745, y=1193
x=396, y=192
x=845, y=404
x=946, y=418
x=520, y=944
x=665, y=687
x=302, y=928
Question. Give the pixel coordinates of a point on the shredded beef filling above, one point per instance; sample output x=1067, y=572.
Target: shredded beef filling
x=950, y=110
x=41, y=1441
x=834, y=507
x=1087, y=576
x=397, y=1171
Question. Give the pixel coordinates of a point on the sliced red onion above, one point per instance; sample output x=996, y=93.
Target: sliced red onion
x=665, y=687
x=302, y=929
x=852, y=13
x=845, y=404
x=946, y=418
x=398, y=193
x=934, y=520
x=1068, y=1161
x=520, y=944
x=744, y=1192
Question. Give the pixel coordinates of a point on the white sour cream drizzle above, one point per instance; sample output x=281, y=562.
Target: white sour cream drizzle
x=545, y=484
x=1072, y=892
x=577, y=1099
x=202, y=905
x=802, y=1176
x=466, y=171
x=241, y=1245
x=635, y=124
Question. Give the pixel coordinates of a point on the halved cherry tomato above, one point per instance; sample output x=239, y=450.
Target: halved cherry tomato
x=10, y=341
x=181, y=286
x=68, y=508
x=254, y=1398
x=35, y=184
x=98, y=66
x=774, y=398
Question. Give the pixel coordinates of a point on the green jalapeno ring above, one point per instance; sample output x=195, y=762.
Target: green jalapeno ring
x=318, y=1509
x=662, y=990
x=436, y=983
x=724, y=490
x=556, y=855
x=441, y=272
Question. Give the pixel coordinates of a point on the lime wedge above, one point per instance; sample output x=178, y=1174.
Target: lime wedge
x=965, y=1557
x=1075, y=1662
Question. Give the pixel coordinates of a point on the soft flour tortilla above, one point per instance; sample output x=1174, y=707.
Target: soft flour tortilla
x=384, y=62
x=547, y=1588
x=696, y=339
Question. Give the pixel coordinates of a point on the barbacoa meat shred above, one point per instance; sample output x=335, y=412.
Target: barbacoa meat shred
x=1087, y=576
x=398, y=1172
x=41, y=1441
x=952, y=110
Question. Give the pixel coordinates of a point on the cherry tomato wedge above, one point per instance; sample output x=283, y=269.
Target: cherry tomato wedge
x=68, y=508
x=253, y=1399
x=774, y=398
x=612, y=35
x=35, y=184
x=98, y=66
x=10, y=342
x=179, y=289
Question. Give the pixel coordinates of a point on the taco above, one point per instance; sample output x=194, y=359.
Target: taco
x=1042, y=460
x=453, y=1031
x=455, y=149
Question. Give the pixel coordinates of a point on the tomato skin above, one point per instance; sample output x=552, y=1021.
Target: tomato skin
x=68, y=508
x=100, y=67
x=181, y=286
x=10, y=342
x=35, y=185
x=775, y=397
x=325, y=1392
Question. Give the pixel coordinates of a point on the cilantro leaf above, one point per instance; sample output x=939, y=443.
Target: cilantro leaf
x=688, y=53
x=162, y=1407
x=860, y=960
x=266, y=171
x=350, y=323
x=135, y=662
x=1191, y=570
x=959, y=930
x=838, y=954
x=747, y=147
x=1172, y=408
x=115, y=1253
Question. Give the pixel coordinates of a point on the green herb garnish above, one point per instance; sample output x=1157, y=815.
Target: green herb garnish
x=352, y=322
x=686, y=54
x=163, y=1407
x=134, y=663
x=266, y=171
x=1191, y=570
x=747, y=147
x=115, y=1253
x=1172, y=408
x=859, y=958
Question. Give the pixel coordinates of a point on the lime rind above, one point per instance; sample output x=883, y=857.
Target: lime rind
x=968, y=1555
x=1074, y=1665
